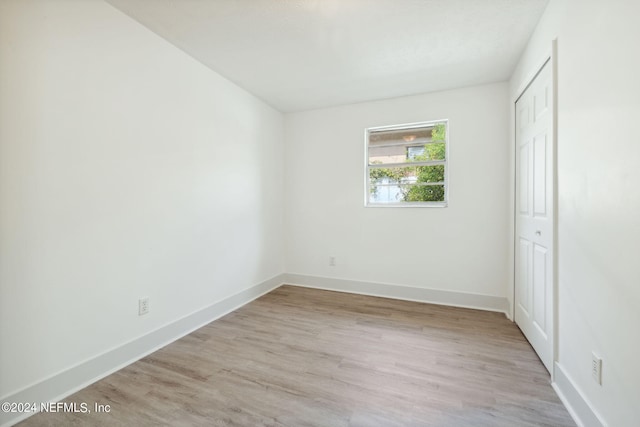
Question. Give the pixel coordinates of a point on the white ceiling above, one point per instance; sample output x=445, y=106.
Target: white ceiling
x=304, y=54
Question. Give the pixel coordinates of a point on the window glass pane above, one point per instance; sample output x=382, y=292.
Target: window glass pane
x=407, y=174
x=411, y=136
x=406, y=184
x=403, y=153
x=389, y=192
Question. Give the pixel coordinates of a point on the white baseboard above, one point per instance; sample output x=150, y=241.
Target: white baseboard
x=402, y=292
x=59, y=386
x=578, y=406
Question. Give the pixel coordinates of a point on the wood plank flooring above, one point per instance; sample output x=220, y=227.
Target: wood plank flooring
x=306, y=357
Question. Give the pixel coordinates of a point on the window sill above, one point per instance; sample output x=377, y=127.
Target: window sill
x=407, y=205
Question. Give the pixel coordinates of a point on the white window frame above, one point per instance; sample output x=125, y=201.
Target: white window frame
x=445, y=162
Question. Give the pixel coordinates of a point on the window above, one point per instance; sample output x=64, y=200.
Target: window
x=407, y=164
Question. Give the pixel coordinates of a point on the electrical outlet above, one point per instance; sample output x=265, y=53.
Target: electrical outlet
x=596, y=368
x=143, y=306
x=332, y=261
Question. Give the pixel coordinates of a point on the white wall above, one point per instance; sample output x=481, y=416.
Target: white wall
x=461, y=248
x=599, y=200
x=116, y=150
x=127, y=169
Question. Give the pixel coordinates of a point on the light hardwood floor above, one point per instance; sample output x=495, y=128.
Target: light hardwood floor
x=306, y=357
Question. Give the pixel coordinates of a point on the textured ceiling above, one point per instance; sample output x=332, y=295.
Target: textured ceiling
x=303, y=54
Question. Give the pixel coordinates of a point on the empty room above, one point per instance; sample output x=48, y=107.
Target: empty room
x=319, y=213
